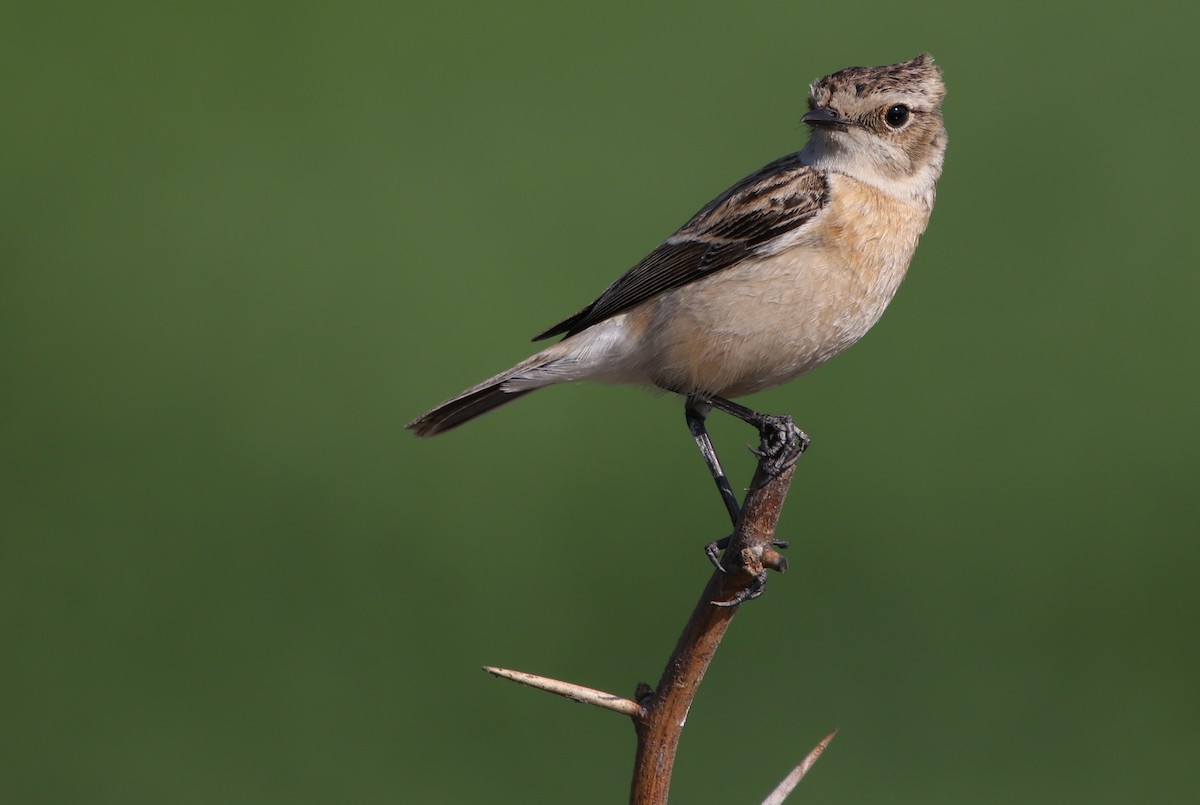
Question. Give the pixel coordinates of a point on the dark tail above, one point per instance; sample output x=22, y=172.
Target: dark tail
x=463, y=408
x=528, y=375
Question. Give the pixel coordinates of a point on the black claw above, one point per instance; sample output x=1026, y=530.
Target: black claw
x=713, y=549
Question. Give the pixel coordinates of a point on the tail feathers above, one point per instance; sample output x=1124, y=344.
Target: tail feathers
x=491, y=393
x=463, y=408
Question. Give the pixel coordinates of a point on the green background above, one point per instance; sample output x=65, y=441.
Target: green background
x=242, y=244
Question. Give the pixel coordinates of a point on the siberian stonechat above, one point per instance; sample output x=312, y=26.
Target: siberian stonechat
x=769, y=280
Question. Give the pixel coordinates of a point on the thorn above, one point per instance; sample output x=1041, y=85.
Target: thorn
x=569, y=690
x=797, y=774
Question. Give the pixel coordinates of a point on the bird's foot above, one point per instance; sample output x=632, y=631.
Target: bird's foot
x=781, y=444
x=713, y=551
x=748, y=593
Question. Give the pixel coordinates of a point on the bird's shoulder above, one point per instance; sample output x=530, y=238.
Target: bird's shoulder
x=744, y=221
x=776, y=198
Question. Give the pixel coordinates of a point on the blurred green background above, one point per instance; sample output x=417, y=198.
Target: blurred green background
x=242, y=244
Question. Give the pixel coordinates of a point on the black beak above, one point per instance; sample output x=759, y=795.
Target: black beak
x=825, y=118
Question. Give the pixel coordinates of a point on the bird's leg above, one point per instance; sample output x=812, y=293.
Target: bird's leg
x=696, y=412
x=781, y=443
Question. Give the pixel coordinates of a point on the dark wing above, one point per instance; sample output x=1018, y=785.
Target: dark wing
x=741, y=222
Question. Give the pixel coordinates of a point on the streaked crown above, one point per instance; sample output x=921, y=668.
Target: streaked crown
x=919, y=77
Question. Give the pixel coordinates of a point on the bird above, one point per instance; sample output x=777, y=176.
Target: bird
x=769, y=280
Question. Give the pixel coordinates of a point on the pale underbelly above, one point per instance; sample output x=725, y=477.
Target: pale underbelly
x=761, y=325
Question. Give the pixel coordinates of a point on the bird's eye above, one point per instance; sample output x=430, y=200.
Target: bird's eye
x=897, y=115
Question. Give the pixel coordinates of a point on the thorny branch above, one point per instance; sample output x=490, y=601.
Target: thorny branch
x=659, y=714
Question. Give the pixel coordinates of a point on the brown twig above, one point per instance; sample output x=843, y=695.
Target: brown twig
x=659, y=715
x=746, y=558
